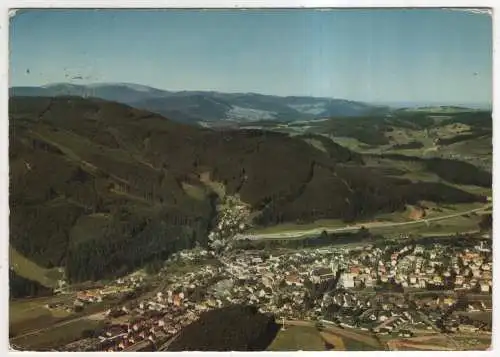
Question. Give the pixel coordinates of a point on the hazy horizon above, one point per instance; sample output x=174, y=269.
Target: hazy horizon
x=393, y=104
x=369, y=55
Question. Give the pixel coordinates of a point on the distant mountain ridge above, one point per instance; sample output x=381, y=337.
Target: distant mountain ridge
x=207, y=106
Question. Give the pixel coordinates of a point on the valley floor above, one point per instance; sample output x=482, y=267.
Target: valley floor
x=294, y=232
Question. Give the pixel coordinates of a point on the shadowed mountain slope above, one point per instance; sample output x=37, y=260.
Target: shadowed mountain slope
x=102, y=187
x=232, y=328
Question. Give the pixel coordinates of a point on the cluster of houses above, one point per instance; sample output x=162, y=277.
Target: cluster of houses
x=143, y=328
x=419, y=267
x=133, y=330
x=476, y=270
x=95, y=295
x=369, y=312
x=335, y=284
x=231, y=220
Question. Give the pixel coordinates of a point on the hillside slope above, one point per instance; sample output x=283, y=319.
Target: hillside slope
x=461, y=135
x=100, y=187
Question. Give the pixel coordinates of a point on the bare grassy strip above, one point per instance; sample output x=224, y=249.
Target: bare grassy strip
x=31, y=314
x=297, y=338
x=193, y=191
x=334, y=340
x=396, y=345
x=348, y=333
x=215, y=186
x=59, y=335
x=371, y=341
x=30, y=270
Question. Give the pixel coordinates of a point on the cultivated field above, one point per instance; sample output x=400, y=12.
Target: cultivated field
x=296, y=338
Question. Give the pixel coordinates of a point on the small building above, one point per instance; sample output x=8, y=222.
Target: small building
x=459, y=280
x=347, y=280
x=485, y=287
x=293, y=279
x=467, y=328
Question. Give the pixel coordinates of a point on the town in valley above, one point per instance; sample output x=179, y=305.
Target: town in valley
x=250, y=180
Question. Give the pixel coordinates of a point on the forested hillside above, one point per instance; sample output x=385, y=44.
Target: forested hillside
x=232, y=328
x=102, y=188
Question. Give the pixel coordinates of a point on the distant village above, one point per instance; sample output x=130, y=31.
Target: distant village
x=391, y=290
x=386, y=291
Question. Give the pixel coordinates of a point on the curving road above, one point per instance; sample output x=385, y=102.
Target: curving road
x=319, y=230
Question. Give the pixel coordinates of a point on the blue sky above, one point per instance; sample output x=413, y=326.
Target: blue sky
x=424, y=56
